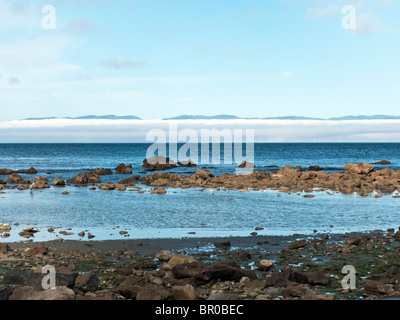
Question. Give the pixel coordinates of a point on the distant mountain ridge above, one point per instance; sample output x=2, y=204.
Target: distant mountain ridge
x=224, y=117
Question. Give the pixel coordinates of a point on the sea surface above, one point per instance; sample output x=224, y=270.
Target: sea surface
x=188, y=212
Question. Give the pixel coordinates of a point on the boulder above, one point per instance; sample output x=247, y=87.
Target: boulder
x=153, y=292
x=188, y=163
x=280, y=279
x=123, y=169
x=58, y=182
x=191, y=270
x=360, y=168
x=264, y=265
x=184, y=293
x=297, y=244
x=158, y=163
x=16, y=178
x=29, y=293
x=87, y=282
x=84, y=178
x=40, y=183
x=31, y=171
x=164, y=255
x=34, y=280
x=226, y=271
x=101, y=172
x=6, y=172
x=247, y=164
x=377, y=287
x=180, y=259
x=4, y=248
x=384, y=162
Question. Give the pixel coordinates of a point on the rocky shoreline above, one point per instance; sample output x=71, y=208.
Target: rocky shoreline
x=359, y=178
x=238, y=268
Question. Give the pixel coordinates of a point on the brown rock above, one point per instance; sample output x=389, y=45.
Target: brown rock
x=297, y=244
x=360, y=168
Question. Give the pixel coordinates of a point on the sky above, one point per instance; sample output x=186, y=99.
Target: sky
x=163, y=58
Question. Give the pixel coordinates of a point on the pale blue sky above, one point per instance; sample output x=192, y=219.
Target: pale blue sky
x=162, y=58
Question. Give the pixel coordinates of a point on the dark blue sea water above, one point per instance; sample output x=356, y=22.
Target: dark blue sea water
x=105, y=213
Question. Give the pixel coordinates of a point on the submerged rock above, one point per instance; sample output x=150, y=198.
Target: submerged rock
x=85, y=178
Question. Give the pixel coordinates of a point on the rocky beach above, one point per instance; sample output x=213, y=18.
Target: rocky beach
x=299, y=267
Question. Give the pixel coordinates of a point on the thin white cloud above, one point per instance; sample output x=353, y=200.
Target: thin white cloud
x=325, y=12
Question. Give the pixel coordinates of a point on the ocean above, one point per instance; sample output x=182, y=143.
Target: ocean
x=187, y=212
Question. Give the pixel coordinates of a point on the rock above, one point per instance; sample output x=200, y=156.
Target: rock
x=184, y=293
x=81, y=234
x=31, y=171
x=203, y=174
x=65, y=192
x=297, y=244
x=58, y=182
x=315, y=168
x=34, y=280
x=37, y=250
x=280, y=279
x=264, y=265
x=40, y=183
x=130, y=286
x=4, y=248
x=159, y=191
x=177, y=259
x=16, y=178
x=191, y=270
x=223, y=297
x=223, y=245
x=246, y=164
x=188, y=163
x=309, y=196
x=84, y=178
x=87, y=282
x=164, y=255
x=377, y=287
x=382, y=162
x=158, y=163
x=101, y=172
x=29, y=293
x=6, y=172
x=313, y=278
x=360, y=168
x=227, y=271
x=153, y=292
x=5, y=227
x=353, y=241
x=123, y=169
x=22, y=187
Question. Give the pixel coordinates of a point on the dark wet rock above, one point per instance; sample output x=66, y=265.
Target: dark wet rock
x=101, y=172
x=158, y=191
x=229, y=271
x=223, y=297
x=384, y=162
x=84, y=178
x=189, y=163
x=4, y=248
x=87, y=282
x=31, y=171
x=377, y=287
x=313, y=278
x=6, y=172
x=158, y=163
x=223, y=245
x=130, y=180
x=153, y=292
x=315, y=168
x=34, y=280
x=353, y=241
x=191, y=270
x=123, y=169
x=297, y=244
x=280, y=279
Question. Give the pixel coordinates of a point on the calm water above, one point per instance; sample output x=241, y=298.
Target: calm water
x=222, y=213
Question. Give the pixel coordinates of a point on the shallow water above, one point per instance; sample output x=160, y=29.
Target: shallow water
x=181, y=211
